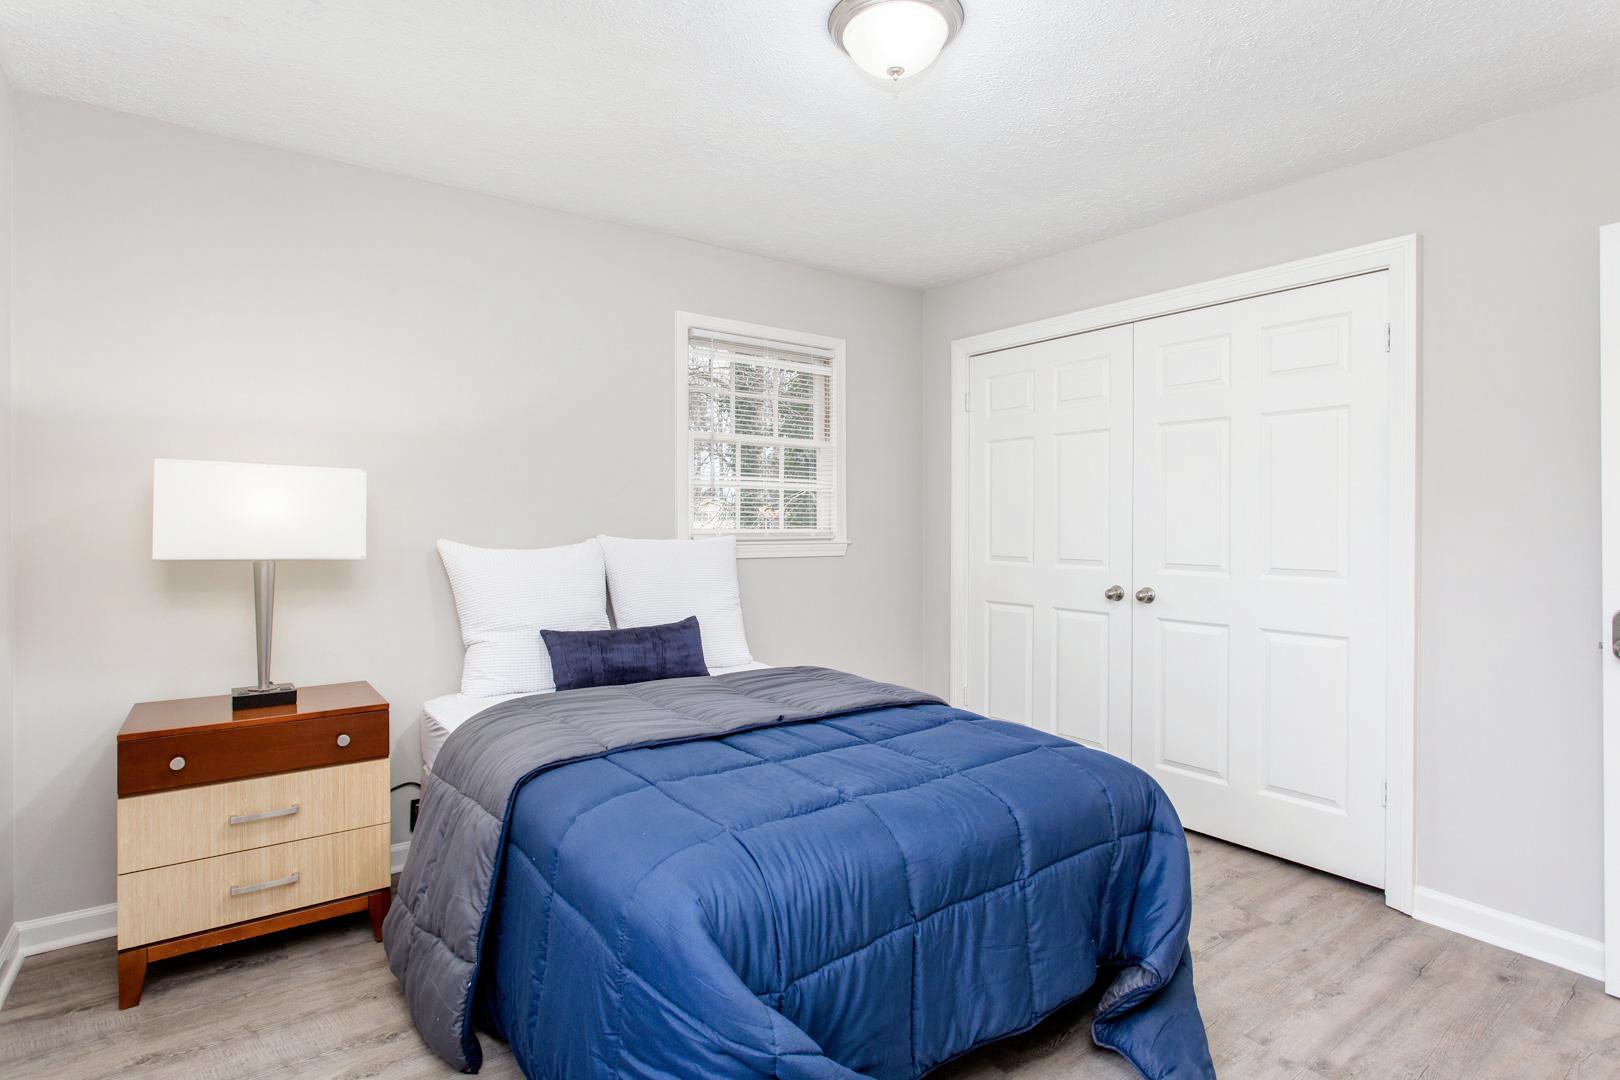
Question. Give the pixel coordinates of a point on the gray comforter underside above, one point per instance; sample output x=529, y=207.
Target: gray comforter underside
x=434, y=931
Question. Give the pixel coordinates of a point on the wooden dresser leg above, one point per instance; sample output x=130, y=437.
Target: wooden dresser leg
x=131, y=977
x=380, y=901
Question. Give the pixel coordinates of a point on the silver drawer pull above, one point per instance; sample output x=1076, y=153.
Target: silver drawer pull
x=264, y=815
x=243, y=890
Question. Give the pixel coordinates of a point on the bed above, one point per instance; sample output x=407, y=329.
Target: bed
x=785, y=872
x=704, y=867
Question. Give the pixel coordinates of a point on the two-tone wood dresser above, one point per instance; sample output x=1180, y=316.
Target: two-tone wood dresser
x=236, y=824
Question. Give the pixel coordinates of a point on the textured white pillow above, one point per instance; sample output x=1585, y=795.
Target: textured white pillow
x=506, y=596
x=663, y=581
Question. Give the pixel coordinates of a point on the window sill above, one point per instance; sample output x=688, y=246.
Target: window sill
x=790, y=549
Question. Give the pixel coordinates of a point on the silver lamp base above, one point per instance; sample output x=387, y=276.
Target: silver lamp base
x=267, y=694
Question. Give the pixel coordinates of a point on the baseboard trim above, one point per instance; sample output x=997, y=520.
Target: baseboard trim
x=32, y=936
x=11, y=959
x=1538, y=941
x=69, y=928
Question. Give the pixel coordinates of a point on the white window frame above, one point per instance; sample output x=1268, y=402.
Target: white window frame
x=750, y=547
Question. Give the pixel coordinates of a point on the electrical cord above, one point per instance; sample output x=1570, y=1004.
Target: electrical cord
x=416, y=803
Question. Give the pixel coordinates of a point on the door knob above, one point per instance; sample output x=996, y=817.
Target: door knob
x=1115, y=592
x=1146, y=594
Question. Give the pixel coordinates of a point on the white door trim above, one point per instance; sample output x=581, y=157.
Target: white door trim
x=1398, y=256
x=1609, y=396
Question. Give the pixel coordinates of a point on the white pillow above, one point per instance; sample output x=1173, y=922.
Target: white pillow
x=664, y=581
x=505, y=597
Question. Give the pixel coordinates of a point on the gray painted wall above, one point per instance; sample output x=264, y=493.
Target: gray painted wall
x=7, y=790
x=1509, y=786
x=505, y=374
x=178, y=294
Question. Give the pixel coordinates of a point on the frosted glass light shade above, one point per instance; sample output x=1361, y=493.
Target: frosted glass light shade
x=230, y=510
x=895, y=39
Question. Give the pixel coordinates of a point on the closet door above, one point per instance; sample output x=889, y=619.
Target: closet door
x=1260, y=555
x=1049, y=522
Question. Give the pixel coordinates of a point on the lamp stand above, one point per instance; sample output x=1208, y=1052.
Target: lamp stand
x=266, y=693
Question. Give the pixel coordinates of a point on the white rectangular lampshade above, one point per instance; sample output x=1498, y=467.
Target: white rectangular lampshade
x=229, y=510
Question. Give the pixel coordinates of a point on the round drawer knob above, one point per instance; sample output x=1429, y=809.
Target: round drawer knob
x=343, y=740
x=176, y=764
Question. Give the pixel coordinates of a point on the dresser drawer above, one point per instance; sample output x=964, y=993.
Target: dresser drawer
x=168, y=901
x=225, y=753
x=216, y=819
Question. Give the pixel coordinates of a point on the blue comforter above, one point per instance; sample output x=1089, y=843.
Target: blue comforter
x=868, y=895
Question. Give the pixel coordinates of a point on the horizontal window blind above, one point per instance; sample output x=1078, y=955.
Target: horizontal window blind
x=762, y=443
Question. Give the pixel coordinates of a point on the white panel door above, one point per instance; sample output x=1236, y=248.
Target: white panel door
x=1049, y=533
x=1260, y=529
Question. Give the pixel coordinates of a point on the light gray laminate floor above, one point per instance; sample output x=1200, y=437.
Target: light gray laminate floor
x=1300, y=975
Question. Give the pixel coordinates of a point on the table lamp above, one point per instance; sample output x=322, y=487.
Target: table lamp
x=225, y=510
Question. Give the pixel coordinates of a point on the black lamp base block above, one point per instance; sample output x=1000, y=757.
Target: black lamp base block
x=254, y=697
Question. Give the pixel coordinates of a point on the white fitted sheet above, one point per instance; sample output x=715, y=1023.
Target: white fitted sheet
x=444, y=714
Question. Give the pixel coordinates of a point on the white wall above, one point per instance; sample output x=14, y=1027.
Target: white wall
x=178, y=294
x=7, y=810
x=505, y=374
x=1509, y=789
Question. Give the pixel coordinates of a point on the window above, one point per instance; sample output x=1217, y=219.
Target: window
x=761, y=437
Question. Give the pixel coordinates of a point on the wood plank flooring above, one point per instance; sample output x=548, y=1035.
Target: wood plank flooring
x=1300, y=975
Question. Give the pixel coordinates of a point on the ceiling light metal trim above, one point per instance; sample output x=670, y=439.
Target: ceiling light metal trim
x=845, y=11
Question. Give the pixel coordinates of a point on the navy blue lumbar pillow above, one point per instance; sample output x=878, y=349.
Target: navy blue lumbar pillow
x=634, y=654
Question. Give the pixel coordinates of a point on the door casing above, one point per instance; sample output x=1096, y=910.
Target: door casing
x=1399, y=256
x=1609, y=376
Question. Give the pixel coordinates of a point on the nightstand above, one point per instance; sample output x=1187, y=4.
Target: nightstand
x=236, y=824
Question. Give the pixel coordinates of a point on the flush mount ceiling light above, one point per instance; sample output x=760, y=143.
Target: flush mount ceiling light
x=894, y=39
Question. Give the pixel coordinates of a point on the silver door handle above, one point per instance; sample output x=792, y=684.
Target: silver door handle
x=1614, y=633
x=1146, y=594
x=243, y=890
x=1115, y=593
x=264, y=815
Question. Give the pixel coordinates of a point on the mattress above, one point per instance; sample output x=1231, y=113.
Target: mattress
x=442, y=715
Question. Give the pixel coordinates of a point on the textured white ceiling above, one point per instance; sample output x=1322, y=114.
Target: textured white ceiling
x=1049, y=123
